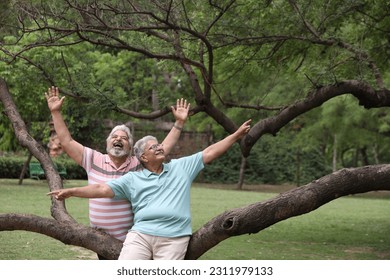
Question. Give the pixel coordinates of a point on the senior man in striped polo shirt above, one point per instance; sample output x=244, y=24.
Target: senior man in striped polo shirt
x=113, y=216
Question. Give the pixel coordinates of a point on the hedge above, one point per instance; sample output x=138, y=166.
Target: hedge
x=11, y=167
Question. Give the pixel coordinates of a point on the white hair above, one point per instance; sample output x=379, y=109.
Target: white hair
x=125, y=129
x=139, y=147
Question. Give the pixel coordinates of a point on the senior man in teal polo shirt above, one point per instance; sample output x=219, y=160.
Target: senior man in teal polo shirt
x=160, y=196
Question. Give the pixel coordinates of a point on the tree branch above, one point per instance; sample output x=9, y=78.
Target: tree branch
x=258, y=216
x=70, y=233
x=27, y=141
x=367, y=96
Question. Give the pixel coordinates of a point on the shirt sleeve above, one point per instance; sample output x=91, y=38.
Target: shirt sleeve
x=86, y=162
x=121, y=186
x=192, y=165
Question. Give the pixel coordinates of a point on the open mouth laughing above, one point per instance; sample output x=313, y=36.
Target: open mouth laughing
x=118, y=145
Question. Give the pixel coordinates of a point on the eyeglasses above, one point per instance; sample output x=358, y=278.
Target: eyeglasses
x=154, y=147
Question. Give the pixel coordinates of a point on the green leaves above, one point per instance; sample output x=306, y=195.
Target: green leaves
x=243, y=59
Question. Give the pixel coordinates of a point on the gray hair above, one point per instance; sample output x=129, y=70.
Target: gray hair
x=125, y=129
x=139, y=147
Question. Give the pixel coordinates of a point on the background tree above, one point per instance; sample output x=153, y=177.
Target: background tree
x=276, y=62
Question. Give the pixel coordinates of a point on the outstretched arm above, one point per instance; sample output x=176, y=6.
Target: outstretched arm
x=90, y=191
x=216, y=150
x=181, y=114
x=73, y=148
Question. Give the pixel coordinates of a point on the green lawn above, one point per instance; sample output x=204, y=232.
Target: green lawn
x=350, y=228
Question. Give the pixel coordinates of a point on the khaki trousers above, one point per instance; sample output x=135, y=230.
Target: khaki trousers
x=139, y=246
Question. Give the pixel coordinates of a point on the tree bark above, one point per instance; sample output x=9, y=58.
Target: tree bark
x=242, y=173
x=24, y=169
x=258, y=216
x=70, y=233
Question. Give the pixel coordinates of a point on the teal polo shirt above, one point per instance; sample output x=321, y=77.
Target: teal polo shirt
x=161, y=202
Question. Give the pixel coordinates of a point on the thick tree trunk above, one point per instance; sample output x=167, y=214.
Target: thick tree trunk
x=242, y=173
x=258, y=216
x=70, y=233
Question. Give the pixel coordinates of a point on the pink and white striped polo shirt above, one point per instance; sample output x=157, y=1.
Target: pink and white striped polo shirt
x=112, y=216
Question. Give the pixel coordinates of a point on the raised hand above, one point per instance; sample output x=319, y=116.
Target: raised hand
x=243, y=129
x=53, y=99
x=181, y=110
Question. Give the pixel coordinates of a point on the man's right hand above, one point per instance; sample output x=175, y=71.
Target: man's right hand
x=53, y=99
x=60, y=194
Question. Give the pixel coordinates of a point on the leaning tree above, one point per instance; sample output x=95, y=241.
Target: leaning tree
x=230, y=52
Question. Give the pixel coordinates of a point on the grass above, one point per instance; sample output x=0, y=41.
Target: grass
x=349, y=228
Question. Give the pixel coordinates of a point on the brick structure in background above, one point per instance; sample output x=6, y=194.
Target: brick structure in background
x=189, y=142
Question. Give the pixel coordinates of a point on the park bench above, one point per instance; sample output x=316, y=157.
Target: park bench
x=37, y=172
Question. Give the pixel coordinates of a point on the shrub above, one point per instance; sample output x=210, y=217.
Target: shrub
x=11, y=167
